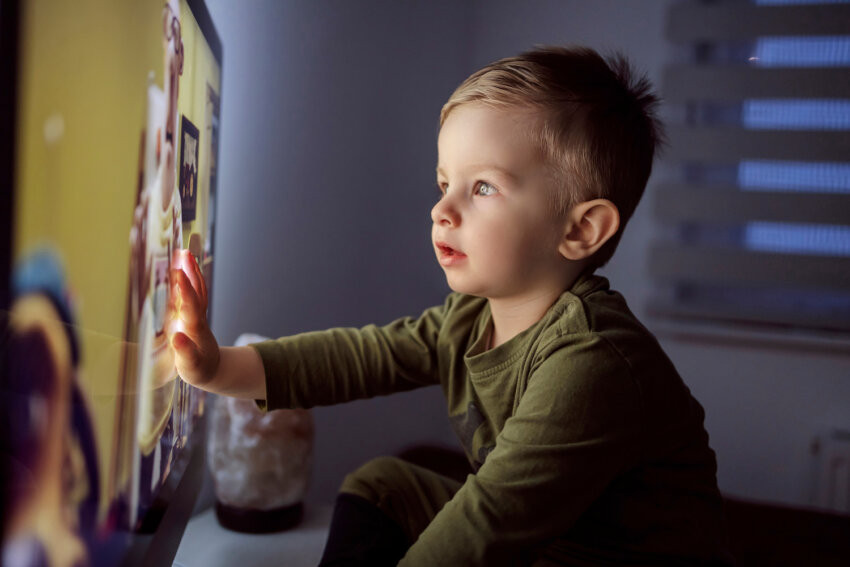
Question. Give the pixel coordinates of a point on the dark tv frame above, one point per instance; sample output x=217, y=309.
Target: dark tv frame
x=9, y=16
x=162, y=529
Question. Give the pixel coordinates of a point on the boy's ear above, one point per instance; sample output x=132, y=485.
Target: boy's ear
x=589, y=225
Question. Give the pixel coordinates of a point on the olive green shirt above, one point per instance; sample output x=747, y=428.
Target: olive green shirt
x=586, y=444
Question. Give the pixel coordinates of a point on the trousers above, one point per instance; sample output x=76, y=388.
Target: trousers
x=382, y=508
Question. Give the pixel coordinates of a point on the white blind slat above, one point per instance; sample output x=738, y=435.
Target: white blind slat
x=733, y=144
x=724, y=21
x=729, y=204
x=671, y=261
x=681, y=83
x=754, y=313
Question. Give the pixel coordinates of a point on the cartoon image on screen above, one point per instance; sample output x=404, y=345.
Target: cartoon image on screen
x=54, y=480
x=213, y=108
x=165, y=406
x=188, y=168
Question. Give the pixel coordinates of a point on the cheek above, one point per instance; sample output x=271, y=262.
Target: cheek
x=525, y=246
x=502, y=247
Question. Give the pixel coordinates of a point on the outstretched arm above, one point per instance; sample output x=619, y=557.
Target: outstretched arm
x=231, y=371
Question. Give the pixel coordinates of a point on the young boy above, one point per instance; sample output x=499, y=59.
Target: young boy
x=586, y=446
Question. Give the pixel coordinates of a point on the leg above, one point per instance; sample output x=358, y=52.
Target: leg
x=360, y=534
x=383, y=507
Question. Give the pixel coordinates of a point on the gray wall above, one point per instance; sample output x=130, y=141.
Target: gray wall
x=328, y=149
x=329, y=125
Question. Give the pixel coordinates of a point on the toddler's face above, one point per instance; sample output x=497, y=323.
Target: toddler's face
x=494, y=231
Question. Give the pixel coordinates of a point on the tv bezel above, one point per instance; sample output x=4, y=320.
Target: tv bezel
x=9, y=16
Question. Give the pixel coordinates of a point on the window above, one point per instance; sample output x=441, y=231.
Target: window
x=754, y=205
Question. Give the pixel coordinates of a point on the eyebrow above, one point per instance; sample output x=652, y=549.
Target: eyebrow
x=486, y=168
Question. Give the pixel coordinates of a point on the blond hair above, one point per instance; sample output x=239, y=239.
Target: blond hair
x=596, y=124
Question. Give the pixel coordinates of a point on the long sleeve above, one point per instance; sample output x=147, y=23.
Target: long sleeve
x=576, y=429
x=344, y=364
x=587, y=445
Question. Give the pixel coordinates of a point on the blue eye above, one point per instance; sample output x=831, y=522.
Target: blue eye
x=485, y=189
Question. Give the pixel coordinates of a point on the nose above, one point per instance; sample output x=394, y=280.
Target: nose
x=445, y=213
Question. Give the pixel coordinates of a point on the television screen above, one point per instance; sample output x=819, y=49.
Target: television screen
x=110, y=160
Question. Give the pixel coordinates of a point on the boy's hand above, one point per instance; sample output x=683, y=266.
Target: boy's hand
x=196, y=352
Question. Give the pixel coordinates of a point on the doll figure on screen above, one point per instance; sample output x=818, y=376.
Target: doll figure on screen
x=50, y=497
x=155, y=236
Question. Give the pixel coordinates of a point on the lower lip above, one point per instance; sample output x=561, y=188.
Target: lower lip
x=446, y=259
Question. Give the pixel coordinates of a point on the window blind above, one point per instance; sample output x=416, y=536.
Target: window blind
x=754, y=204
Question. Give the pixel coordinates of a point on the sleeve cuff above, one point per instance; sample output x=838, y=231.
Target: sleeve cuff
x=274, y=387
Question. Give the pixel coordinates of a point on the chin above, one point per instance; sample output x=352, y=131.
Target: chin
x=465, y=287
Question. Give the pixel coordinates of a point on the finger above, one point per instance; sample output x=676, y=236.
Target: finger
x=203, y=281
x=173, y=296
x=186, y=298
x=190, y=311
x=189, y=266
x=186, y=260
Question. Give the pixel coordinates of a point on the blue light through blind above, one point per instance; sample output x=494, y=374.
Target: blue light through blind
x=797, y=176
x=790, y=238
x=800, y=177
x=805, y=114
x=820, y=51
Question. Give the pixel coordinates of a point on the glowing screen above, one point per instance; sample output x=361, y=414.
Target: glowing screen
x=117, y=119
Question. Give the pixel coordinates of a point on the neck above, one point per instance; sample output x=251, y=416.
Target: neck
x=514, y=314
x=511, y=316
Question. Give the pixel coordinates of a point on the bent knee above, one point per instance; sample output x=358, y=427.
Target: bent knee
x=375, y=478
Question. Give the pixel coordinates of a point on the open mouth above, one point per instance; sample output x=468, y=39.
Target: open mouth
x=447, y=254
x=447, y=250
